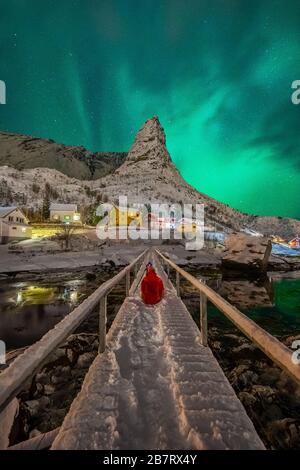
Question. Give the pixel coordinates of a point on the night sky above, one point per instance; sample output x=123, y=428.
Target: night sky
x=217, y=73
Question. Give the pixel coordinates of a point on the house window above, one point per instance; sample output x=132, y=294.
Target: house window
x=14, y=228
x=21, y=220
x=10, y=219
x=17, y=220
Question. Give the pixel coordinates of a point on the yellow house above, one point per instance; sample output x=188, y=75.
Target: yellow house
x=124, y=216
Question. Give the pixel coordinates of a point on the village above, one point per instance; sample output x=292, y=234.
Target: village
x=65, y=220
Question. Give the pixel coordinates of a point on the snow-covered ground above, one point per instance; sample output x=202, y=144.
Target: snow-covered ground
x=282, y=250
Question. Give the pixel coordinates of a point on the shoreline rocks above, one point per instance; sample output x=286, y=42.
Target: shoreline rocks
x=246, y=252
x=45, y=401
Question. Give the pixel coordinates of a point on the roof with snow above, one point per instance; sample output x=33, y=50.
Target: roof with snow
x=4, y=211
x=63, y=207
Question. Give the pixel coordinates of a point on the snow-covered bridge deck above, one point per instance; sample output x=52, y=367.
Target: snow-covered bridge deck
x=156, y=387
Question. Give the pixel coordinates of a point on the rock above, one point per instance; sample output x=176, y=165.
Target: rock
x=242, y=377
x=33, y=407
x=264, y=392
x=246, y=252
x=34, y=433
x=60, y=375
x=247, y=399
x=90, y=276
x=246, y=351
x=72, y=356
x=270, y=376
x=39, y=389
x=42, y=378
x=49, y=389
x=85, y=359
x=286, y=433
x=58, y=357
x=245, y=294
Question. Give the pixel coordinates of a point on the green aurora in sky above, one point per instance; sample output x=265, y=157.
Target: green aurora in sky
x=217, y=73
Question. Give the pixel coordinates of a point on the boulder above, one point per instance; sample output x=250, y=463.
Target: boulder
x=246, y=252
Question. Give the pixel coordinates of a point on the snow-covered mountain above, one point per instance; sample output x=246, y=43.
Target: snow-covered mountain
x=25, y=152
x=147, y=174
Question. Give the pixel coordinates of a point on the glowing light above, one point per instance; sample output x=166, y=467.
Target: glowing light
x=19, y=297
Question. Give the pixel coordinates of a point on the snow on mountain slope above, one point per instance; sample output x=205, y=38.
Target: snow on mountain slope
x=147, y=174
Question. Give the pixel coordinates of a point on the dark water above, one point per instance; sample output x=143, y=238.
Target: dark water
x=272, y=304
x=29, y=309
x=283, y=317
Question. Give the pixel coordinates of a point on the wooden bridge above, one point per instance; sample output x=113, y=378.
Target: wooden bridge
x=155, y=383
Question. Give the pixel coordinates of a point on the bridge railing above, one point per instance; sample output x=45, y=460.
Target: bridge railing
x=25, y=366
x=268, y=344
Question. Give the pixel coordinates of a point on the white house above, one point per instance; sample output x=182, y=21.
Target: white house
x=66, y=213
x=13, y=225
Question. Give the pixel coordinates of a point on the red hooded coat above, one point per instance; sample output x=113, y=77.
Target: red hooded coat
x=152, y=288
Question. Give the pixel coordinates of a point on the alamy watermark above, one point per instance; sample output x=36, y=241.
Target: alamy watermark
x=296, y=94
x=296, y=354
x=145, y=221
x=2, y=92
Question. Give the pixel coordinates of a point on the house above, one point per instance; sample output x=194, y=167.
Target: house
x=14, y=225
x=124, y=216
x=66, y=213
x=295, y=243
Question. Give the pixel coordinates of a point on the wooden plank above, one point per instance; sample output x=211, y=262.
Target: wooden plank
x=274, y=349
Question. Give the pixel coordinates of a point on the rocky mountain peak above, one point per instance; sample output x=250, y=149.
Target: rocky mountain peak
x=152, y=130
x=149, y=145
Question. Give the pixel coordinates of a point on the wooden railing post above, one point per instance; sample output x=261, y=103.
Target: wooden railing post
x=127, y=283
x=203, y=318
x=168, y=269
x=102, y=324
x=178, y=283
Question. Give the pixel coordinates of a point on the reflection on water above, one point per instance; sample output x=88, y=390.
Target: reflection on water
x=272, y=304
x=283, y=317
x=28, y=311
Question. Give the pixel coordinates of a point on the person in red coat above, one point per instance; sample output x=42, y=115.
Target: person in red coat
x=152, y=288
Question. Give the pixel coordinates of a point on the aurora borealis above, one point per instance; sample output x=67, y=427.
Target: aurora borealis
x=218, y=73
